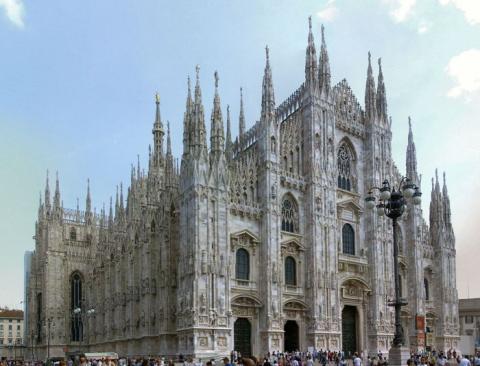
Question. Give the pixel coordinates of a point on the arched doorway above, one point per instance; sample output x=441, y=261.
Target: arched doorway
x=242, y=336
x=291, y=336
x=349, y=330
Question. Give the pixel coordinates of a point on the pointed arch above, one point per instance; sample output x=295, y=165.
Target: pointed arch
x=346, y=165
x=290, y=219
x=76, y=302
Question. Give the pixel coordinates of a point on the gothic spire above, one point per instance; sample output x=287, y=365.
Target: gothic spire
x=446, y=203
x=268, y=96
x=169, y=141
x=56, y=198
x=411, y=155
x=216, y=131
x=117, y=205
x=370, y=92
x=121, y=198
x=88, y=206
x=187, y=136
x=381, y=94
x=158, y=133
x=110, y=216
x=310, y=58
x=228, y=141
x=324, y=68
x=47, y=194
x=199, y=117
x=241, y=118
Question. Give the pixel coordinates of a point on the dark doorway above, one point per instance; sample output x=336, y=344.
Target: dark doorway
x=349, y=330
x=242, y=336
x=290, y=336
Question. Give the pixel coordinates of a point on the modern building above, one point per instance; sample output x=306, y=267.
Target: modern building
x=256, y=243
x=469, y=314
x=11, y=334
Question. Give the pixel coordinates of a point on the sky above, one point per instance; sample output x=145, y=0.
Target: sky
x=77, y=85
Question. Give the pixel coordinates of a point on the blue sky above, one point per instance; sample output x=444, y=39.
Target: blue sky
x=77, y=84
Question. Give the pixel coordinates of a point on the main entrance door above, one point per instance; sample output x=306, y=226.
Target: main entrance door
x=349, y=330
x=242, y=336
x=290, y=336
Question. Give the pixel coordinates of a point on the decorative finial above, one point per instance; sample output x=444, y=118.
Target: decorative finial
x=310, y=22
x=228, y=108
x=241, y=94
x=157, y=98
x=444, y=179
x=188, y=83
x=369, y=58
x=216, y=79
x=436, y=175
x=323, y=34
x=380, y=63
x=266, y=52
x=409, y=123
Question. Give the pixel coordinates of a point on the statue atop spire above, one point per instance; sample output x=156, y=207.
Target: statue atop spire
x=381, y=95
x=241, y=118
x=324, y=67
x=268, y=97
x=370, y=94
x=411, y=158
x=310, y=58
x=88, y=205
x=216, y=132
x=56, y=198
x=158, y=133
x=228, y=140
x=197, y=126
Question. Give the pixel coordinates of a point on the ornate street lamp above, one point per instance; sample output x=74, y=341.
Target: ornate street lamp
x=392, y=203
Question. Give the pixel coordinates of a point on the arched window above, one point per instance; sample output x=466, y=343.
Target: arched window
x=289, y=215
x=73, y=234
x=76, y=307
x=346, y=168
x=242, y=265
x=290, y=271
x=427, y=289
x=348, y=239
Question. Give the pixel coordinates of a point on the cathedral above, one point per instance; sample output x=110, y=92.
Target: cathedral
x=256, y=243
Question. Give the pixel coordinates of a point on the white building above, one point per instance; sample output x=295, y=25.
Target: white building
x=469, y=314
x=261, y=243
x=11, y=333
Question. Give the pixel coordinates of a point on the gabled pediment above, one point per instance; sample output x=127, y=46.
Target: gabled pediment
x=292, y=245
x=350, y=204
x=245, y=234
x=245, y=239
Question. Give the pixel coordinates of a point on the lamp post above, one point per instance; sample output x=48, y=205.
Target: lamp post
x=392, y=203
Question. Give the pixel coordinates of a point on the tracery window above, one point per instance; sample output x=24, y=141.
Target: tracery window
x=345, y=165
x=73, y=234
x=289, y=215
x=76, y=305
x=290, y=271
x=348, y=239
x=242, y=265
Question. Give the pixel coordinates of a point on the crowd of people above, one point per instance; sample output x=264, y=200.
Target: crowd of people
x=321, y=358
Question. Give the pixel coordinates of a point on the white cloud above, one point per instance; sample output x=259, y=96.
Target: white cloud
x=423, y=27
x=14, y=10
x=464, y=69
x=329, y=13
x=401, y=9
x=470, y=9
